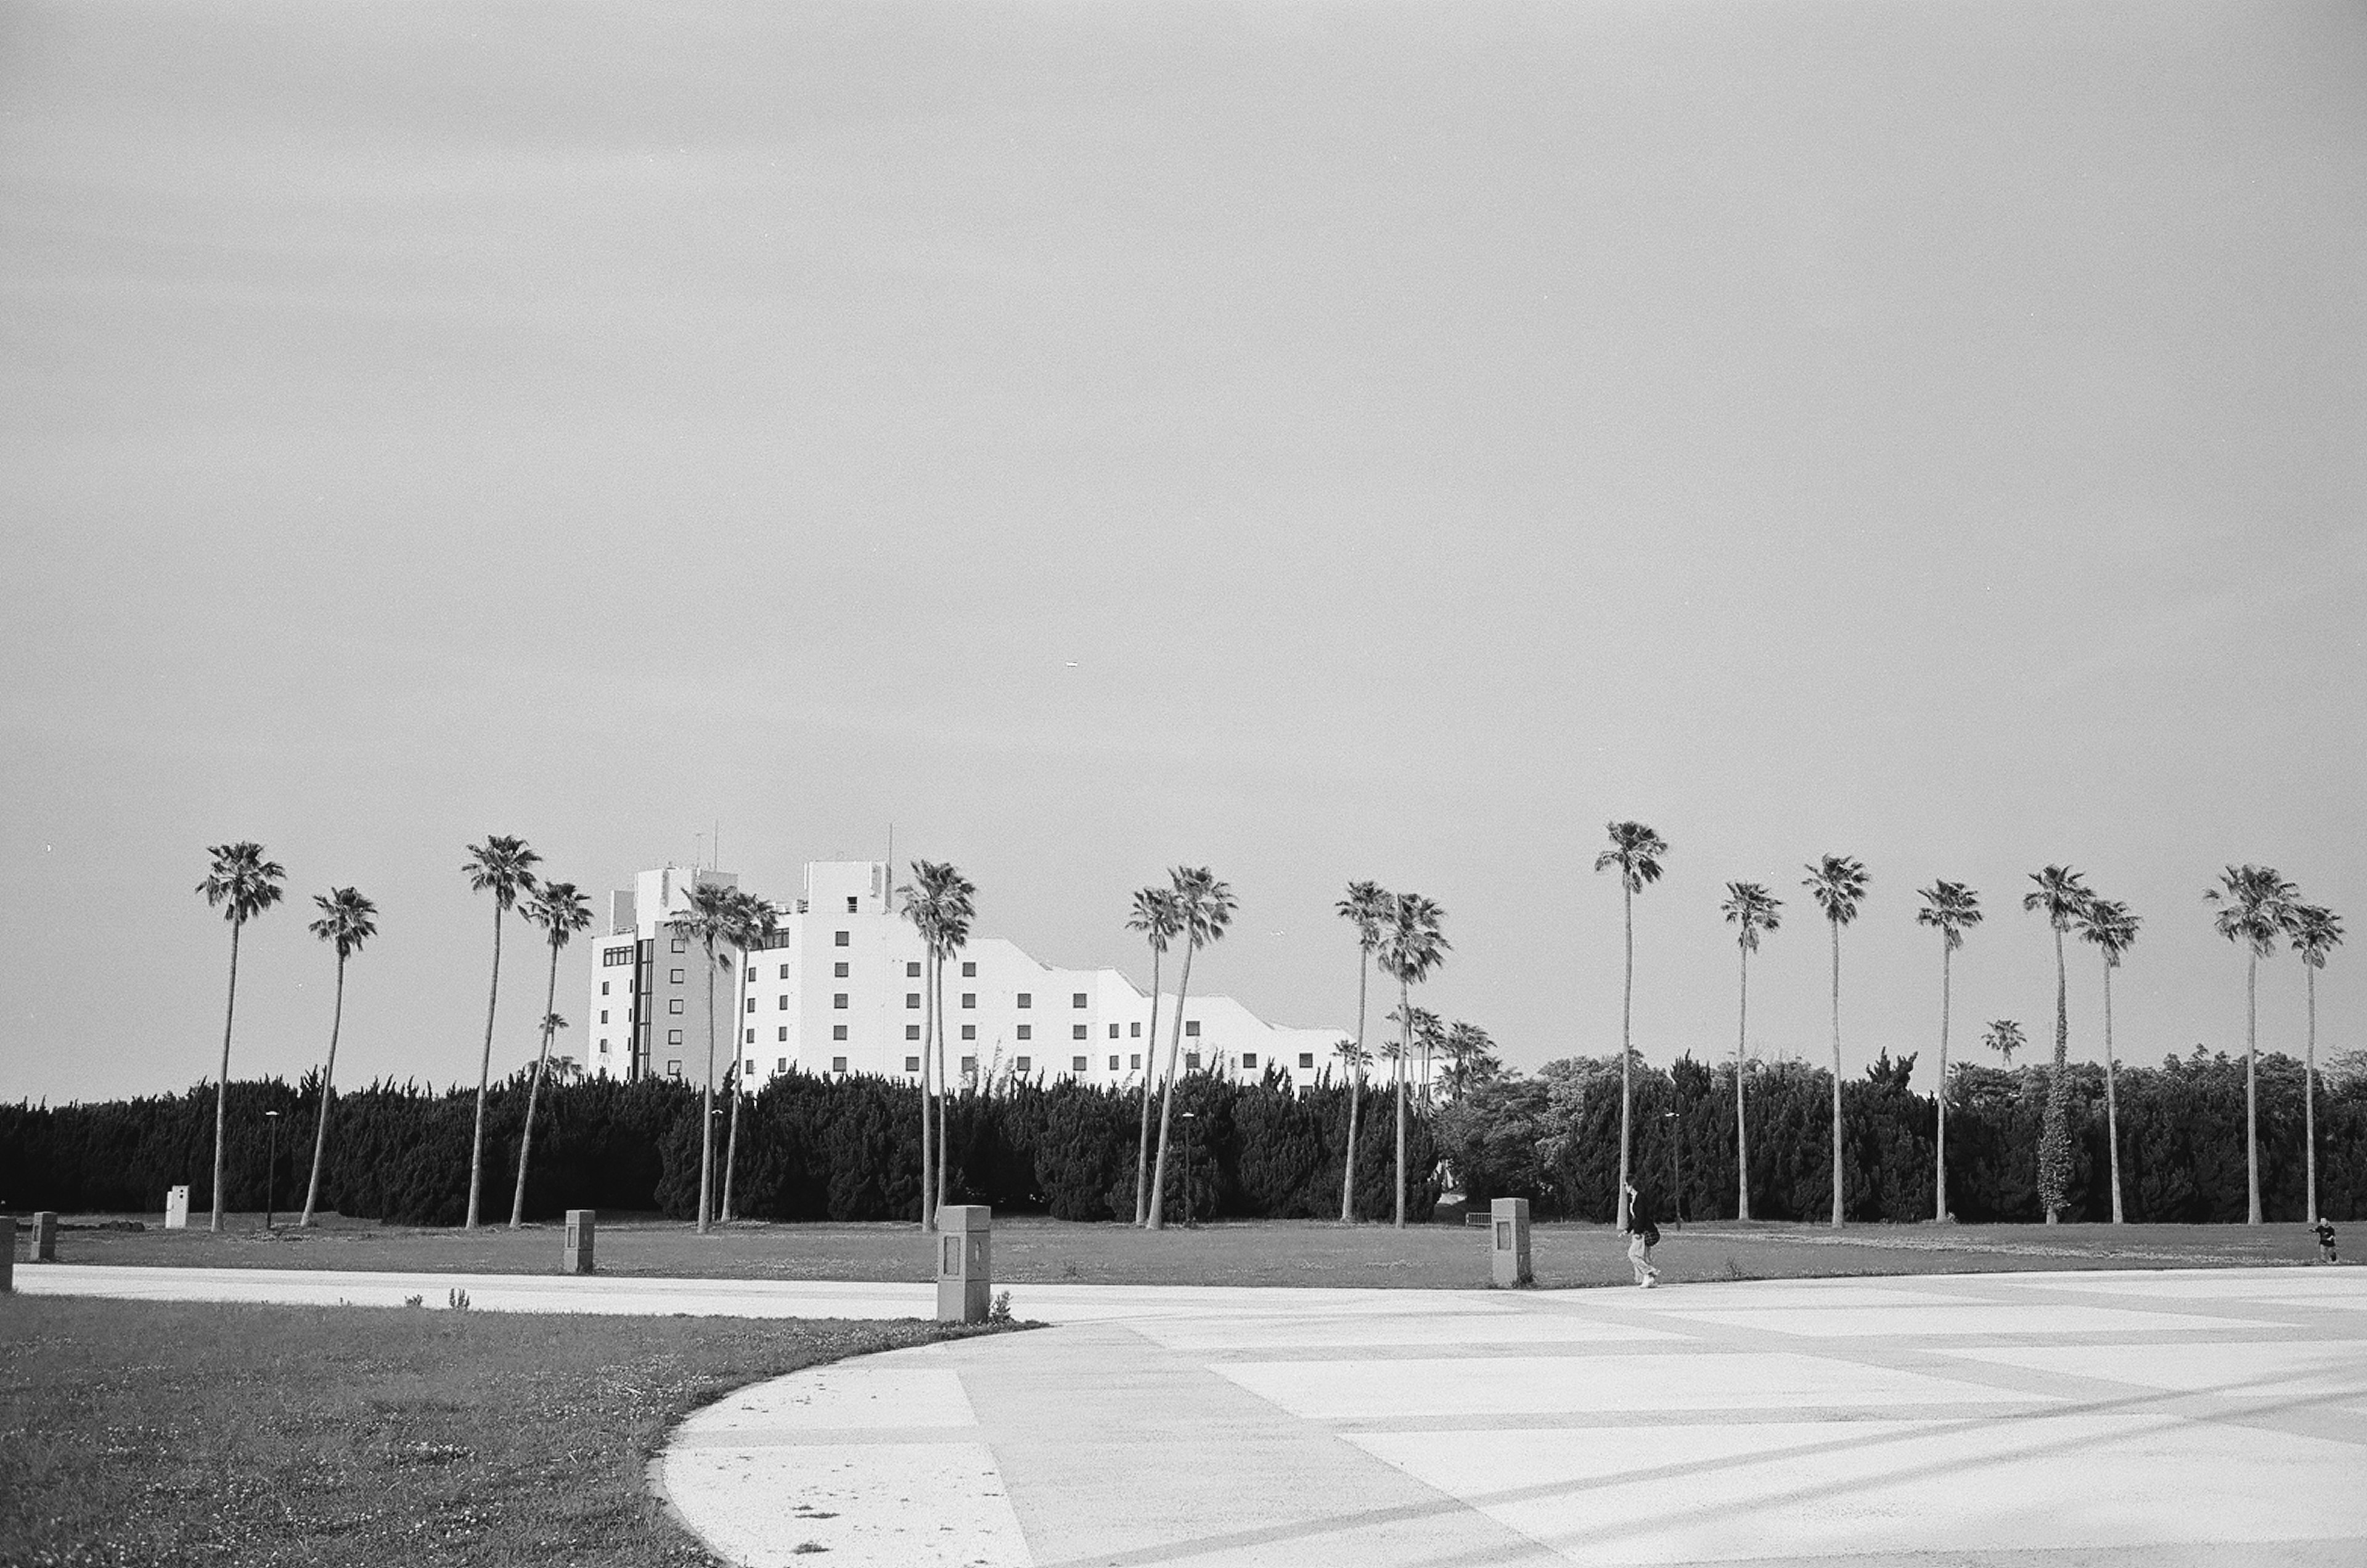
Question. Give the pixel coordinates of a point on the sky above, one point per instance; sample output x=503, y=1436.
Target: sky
x=1319, y=441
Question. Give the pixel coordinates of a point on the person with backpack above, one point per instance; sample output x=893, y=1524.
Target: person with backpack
x=2323, y=1230
x=1642, y=1236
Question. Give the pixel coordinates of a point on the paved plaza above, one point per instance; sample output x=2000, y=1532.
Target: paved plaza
x=2057, y=1419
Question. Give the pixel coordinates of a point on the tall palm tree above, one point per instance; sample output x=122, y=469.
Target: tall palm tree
x=504, y=867
x=1424, y=1033
x=1414, y=944
x=1205, y=907
x=1950, y=908
x=1635, y=853
x=960, y=910
x=2316, y=932
x=2109, y=924
x=941, y=904
x=1471, y=1059
x=563, y=913
x=347, y=920
x=1365, y=907
x=242, y=885
x=1156, y=915
x=707, y=920
x=2004, y=1038
x=2255, y=907
x=1837, y=884
x=2059, y=896
x=754, y=921
x=1353, y=1060
x=1751, y=910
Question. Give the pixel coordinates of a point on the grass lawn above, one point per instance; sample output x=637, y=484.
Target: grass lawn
x=144, y=1432
x=1032, y=1250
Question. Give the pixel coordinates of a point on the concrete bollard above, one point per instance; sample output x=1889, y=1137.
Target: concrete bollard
x=177, y=1208
x=8, y=1253
x=965, y=1262
x=577, y=1258
x=45, y=1237
x=1508, y=1255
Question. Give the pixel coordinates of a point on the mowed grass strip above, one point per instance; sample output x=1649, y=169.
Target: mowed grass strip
x=157, y=1433
x=1033, y=1250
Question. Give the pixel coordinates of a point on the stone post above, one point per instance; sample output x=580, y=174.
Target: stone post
x=577, y=1258
x=965, y=1262
x=8, y=1253
x=45, y=1237
x=177, y=1208
x=1508, y=1253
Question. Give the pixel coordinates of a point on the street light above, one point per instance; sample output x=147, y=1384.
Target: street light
x=270, y=1167
x=1189, y=1117
x=1676, y=1166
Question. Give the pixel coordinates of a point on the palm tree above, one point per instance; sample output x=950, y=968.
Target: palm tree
x=1837, y=884
x=504, y=867
x=1365, y=907
x=1751, y=909
x=347, y=920
x=2060, y=896
x=242, y=885
x=707, y=920
x=1156, y=914
x=1635, y=853
x=1471, y=1059
x=2004, y=1038
x=2316, y=930
x=960, y=908
x=2255, y=907
x=2107, y=923
x=1353, y=1059
x=940, y=902
x=1424, y=1034
x=753, y=923
x=1205, y=907
x=1414, y=944
x=1950, y=908
x=560, y=910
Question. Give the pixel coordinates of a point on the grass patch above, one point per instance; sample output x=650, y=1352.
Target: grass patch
x=143, y=1432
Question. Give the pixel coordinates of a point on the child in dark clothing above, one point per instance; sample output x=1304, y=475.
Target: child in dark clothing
x=1642, y=1236
x=2323, y=1230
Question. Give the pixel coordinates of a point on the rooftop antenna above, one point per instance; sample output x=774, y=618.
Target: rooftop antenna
x=697, y=851
x=715, y=847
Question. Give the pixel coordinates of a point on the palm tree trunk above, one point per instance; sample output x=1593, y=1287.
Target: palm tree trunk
x=321, y=1123
x=739, y=1076
x=1626, y=1047
x=928, y=1126
x=221, y=1085
x=484, y=1076
x=1836, y=1072
x=534, y=1090
x=1405, y=1049
x=2112, y=1099
x=1742, y=1143
x=1150, y=1073
x=2308, y=1094
x=1940, y=1190
x=1355, y=1083
x=2055, y=1107
x=944, y=1096
x=707, y=1106
x=1155, y=1218
x=2251, y=1093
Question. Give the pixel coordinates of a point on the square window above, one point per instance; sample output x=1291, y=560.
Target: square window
x=969, y=971
x=838, y=1031
x=838, y=998
x=1307, y=1059
x=1249, y=1060
x=784, y=971
x=784, y=1037
x=1190, y=1029
x=673, y=976
x=782, y=1066
x=1134, y=1030
x=838, y=971
x=675, y=1006
x=911, y=998
x=970, y=1032
x=912, y=1063
x=969, y=998
x=1079, y=1031
x=912, y=971
x=1023, y=1064
x=838, y=1064
x=1026, y=999
x=1077, y=1000
x=1191, y=1061
x=840, y=939
x=1076, y=1064
x=1113, y=1064
x=674, y=1036
x=1133, y=1062
x=969, y=1066
x=912, y=1031
x=1026, y=1031
x=674, y=1070
x=682, y=945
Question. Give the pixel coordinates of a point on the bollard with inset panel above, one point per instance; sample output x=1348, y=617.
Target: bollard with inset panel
x=45, y=1237
x=177, y=1208
x=965, y=1262
x=577, y=1258
x=1508, y=1253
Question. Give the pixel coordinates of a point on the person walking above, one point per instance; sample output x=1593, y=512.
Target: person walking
x=2324, y=1231
x=1642, y=1236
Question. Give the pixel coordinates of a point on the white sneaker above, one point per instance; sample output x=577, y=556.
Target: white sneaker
x=1655, y=1279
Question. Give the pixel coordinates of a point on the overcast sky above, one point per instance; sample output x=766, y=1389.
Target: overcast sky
x=1316, y=441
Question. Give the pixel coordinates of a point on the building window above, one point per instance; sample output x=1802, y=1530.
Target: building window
x=673, y=1068
x=912, y=971
x=1026, y=1031
x=1191, y=1061
x=1305, y=1060
x=604, y=987
x=750, y=1041
x=969, y=1031
x=751, y=1067
x=1076, y=1064
x=1134, y=1063
x=784, y=971
x=682, y=945
x=911, y=998
x=839, y=939
x=613, y=956
x=675, y=1006
x=1113, y=1030
x=1079, y=1031
x=969, y=1066
x=1113, y=1064
x=782, y=1066
x=1026, y=999
x=752, y=1004
x=1134, y=1030
x=1249, y=1059
x=838, y=1031
x=1077, y=1000
x=673, y=976
x=838, y=1064
x=912, y=1063
x=603, y=1015
x=604, y=1047
x=838, y=971
x=969, y=971
x=674, y=1036
x=1190, y=1029
x=784, y=1003
x=784, y=1036
x=850, y=903
x=969, y=998
x=912, y=1031
x=1023, y=1064
x=838, y=998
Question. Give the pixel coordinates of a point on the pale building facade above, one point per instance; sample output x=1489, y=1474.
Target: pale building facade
x=841, y=989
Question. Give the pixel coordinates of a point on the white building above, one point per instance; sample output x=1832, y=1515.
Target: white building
x=839, y=990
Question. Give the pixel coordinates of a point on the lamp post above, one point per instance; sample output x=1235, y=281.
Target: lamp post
x=1676, y=1166
x=1189, y=1117
x=270, y=1167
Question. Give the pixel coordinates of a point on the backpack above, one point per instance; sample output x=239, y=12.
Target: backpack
x=1650, y=1233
